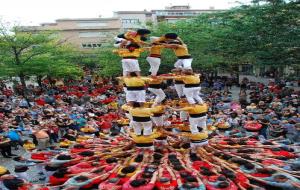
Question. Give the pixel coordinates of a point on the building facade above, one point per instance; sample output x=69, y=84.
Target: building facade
x=83, y=33
x=173, y=14
x=91, y=33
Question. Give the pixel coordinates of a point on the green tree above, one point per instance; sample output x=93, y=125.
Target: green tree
x=38, y=54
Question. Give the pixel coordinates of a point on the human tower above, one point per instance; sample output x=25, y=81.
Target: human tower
x=148, y=119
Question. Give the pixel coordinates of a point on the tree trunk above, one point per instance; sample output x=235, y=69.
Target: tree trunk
x=39, y=80
x=23, y=82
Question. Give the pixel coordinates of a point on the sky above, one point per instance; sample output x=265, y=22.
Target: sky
x=34, y=12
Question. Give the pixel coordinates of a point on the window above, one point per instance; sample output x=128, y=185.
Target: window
x=91, y=24
x=90, y=45
x=130, y=21
x=92, y=34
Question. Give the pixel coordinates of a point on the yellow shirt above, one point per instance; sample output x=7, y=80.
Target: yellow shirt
x=133, y=36
x=144, y=139
x=156, y=80
x=3, y=170
x=134, y=81
x=29, y=146
x=66, y=143
x=196, y=137
x=141, y=112
x=160, y=109
x=189, y=79
x=156, y=49
x=181, y=50
x=196, y=109
x=126, y=53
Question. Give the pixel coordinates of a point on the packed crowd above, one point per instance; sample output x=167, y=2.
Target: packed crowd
x=98, y=133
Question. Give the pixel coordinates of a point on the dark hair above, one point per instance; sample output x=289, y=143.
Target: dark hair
x=78, y=146
x=172, y=36
x=229, y=174
x=226, y=157
x=184, y=174
x=132, y=46
x=188, y=185
x=186, y=145
x=13, y=184
x=128, y=169
x=60, y=173
x=81, y=178
x=265, y=170
x=138, y=182
x=172, y=156
x=111, y=160
x=147, y=175
x=21, y=168
x=221, y=178
x=143, y=31
x=136, y=105
x=223, y=184
x=139, y=158
x=238, y=160
x=51, y=168
x=64, y=157
x=178, y=167
x=143, y=38
x=191, y=179
x=249, y=166
x=86, y=153
x=157, y=156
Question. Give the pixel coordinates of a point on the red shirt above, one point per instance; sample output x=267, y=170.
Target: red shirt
x=105, y=125
x=171, y=186
x=242, y=179
x=127, y=186
x=58, y=181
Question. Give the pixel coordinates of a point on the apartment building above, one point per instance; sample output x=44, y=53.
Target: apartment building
x=173, y=14
x=134, y=19
x=83, y=33
x=91, y=33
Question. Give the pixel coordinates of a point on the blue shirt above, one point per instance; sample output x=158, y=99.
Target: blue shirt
x=13, y=135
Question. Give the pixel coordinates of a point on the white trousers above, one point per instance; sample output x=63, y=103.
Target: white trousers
x=179, y=89
x=160, y=94
x=158, y=121
x=130, y=119
x=130, y=65
x=193, y=95
x=154, y=65
x=197, y=122
x=184, y=63
x=135, y=95
x=183, y=115
x=139, y=126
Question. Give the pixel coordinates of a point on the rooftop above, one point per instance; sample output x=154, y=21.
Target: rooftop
x=86, y=19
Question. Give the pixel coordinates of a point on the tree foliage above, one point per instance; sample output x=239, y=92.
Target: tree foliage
x=34, y=54
x=266, y=34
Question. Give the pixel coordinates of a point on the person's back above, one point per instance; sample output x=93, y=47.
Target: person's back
x=13, y=135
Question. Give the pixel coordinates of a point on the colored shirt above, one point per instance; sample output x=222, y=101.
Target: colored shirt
x=196, y=109
x=133, y=36
x=13, y=135
x=156, y=49
x=134, y=81
x=189, y=79
x=126, y=53
x=181, y=50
